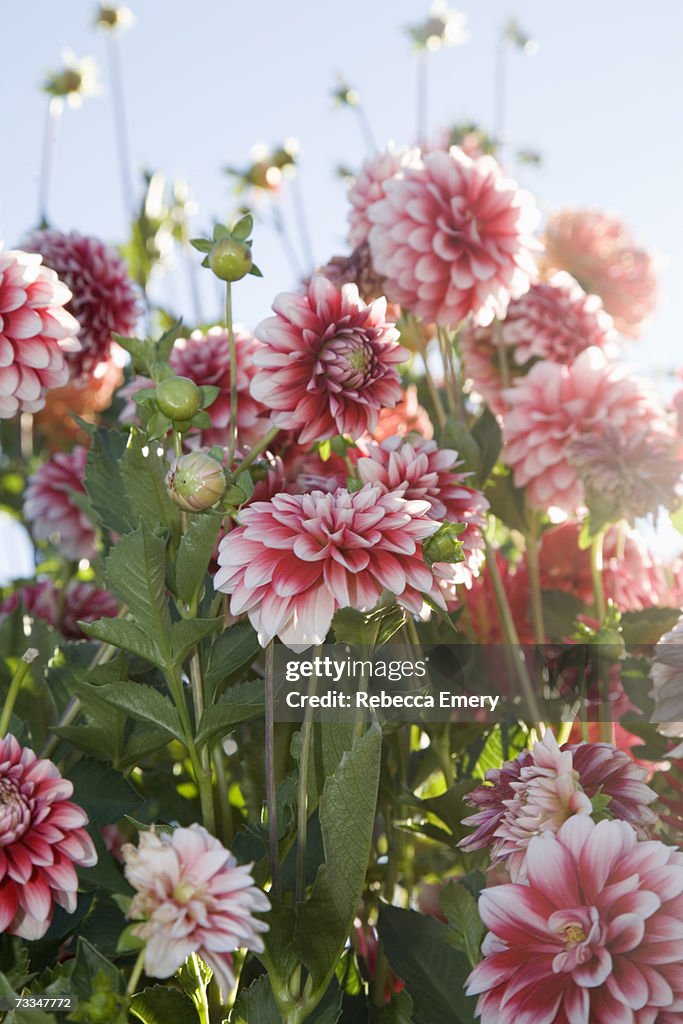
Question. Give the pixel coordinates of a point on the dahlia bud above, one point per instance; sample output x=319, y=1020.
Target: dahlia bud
x=444, y=546
x=195, y=482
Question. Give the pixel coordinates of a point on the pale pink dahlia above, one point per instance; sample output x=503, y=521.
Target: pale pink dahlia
x=192, y=897
x=453, y=237
x=541, y=788
x=555, y=320
x=296, y=559
x=50, y=508
x=62, y=609
x=555, y=405
x=104, y=299
x=368, y=188
x=598, y=250
x=328, y=362
x=422, y=471
x=41, y=839
x=594, y=938
x=36, y=332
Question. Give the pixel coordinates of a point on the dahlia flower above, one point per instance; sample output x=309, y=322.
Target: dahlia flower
x=50, y=508
x=598, y=250
x=42, y=839
x=553, y=406
x=62, y=609
x=36, y=332
x=541, y=788
x=358, y=269
x=453, y=237
x=594, y=938
x=86, y=397
x=406, y=417
x=104, y=299
x=667, y=686
x=327, y=362
x=555, y=320
x=192, y=897
x=422, y=471
x=369, y=185
x=296, y=559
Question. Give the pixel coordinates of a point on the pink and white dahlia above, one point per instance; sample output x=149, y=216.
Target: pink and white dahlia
x=555, y=405
x=36, y=332
x=453, y=238
x=369, y=185
x=192, y=897
x=422, y=471
x=104, y=299
x=406, y=417
x=42, y=839
x=62, y=609
x=598, y=250
x=50, y=508
x=541, y=788
x=296, y=559
x=594, y=938
x=555, y=320
x=327, y=362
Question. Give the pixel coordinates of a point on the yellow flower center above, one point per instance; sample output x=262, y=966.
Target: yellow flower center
x=183, y=892
x=574, y=935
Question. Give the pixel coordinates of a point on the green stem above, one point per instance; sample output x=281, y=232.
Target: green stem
x=202, y=774
x=439, y=411
x=596, y=575
x=271, y=789
x=20, y=674
x=302, y=802
x=224, y=808
x=199, y=995
x=535, y=585
x=136, y=973
x=252, y=455
x=233, y=374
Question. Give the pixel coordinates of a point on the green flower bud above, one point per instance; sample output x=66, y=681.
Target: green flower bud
x=230, y=259
x=195, y=482
x=444, y=546
x=178, y=398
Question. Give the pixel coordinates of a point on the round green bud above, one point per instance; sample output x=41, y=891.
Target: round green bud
x=178, y=398
x=230, y=259
x=195, y=482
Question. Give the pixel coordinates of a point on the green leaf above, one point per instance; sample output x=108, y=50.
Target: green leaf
x=88, y=965
x=124, y=634
x=136, y=571
x=648, y=625
x=202, y=244
x=367, y=629
x=232, y=650
x=140, y=702
x=161, y=1004
x=507, y=501
x=434, y=973
x=104, y=484
x=488, y=435
x=347, y=815
x=194, y=553
x=240, y=703
x=255, y=271
x=106, y=873
x=208, y=394
x=243, y=228
x=456, y=435
x=103, y=793
x=465, y=927
x=187, y=633
x=164, y=345
x=256, y=1004
x=398, y=1011
x=144, y=481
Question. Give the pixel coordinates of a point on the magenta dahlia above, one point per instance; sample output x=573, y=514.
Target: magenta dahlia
x=104, y=299
x=368, y=188
x=554, y=320
x=62, y=609
x=593, y=938
x=541, y=788
x=422, y=471
x=36, y=332
x=453, y=238
x=42, y=838
x=553, y=406
x=598, y=250
x=192, y=897
x=50, y=508
x=296, y=559
x=327, y=362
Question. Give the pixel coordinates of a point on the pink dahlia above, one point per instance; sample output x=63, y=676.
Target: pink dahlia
x=553, y=406
x=87, y=397
x=192, y=897
x=50, y=508
x=598, y=250
x=358, y=269
x=42, y=837
x=422, y=471
x=104, y=299
x=555, y=320
x=62, y=609
x=406, y=417
x=369, y=187
x=453, y=237
x=328, y=362
x=36, y=332
x=541, y=788
x=594, y=938
x=296, y=559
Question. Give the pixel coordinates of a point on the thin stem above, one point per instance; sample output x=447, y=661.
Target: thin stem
x=54, y=110
x=535, y=585
x=302, y=222
x=136, y=973
x=596, y=575
x=283, y=234
x=365, y=127
x=439, y=411
x=201, y=771
x=120, y=122
x=199, y=995
x=271, y=790
x=502, y=353
x=224, y=808
x=254, y=453
x=20, y=674
x=302, y=802
x=233, y=374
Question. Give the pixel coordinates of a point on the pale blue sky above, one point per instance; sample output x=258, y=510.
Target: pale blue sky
x=205, y=80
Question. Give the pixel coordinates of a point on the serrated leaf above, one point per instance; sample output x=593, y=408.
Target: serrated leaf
x=235, y=648
x=367, y=629
x=194, y=554
x=142, y=703
x=144, y=481
x=465, y=927
x=163, y=1004
x=256, y=1004
x=240, y=703
x=324, y=920
x=103, y=482
x=187, y=633
x=136, y=571
x=124, y=634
